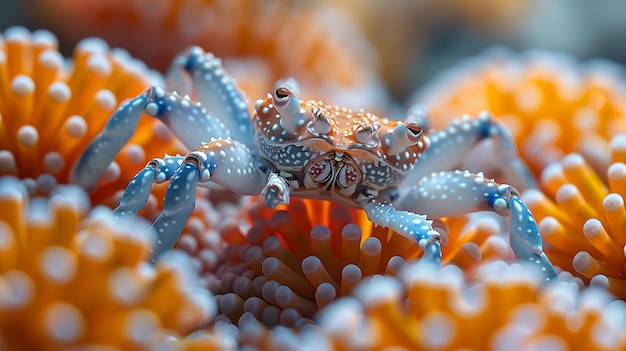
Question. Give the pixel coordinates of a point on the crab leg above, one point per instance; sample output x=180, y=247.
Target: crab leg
x=406, y=223
x=449, y=149
x=528, y=246
x=189, y=121
x=201, y=76
x=453, y=193
x=136, y=194
x=105, y=146
x=223, y=161
x=180, y=200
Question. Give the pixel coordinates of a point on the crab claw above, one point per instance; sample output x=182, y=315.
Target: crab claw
x=276, y=191
x=402, y=136
x=526, y=240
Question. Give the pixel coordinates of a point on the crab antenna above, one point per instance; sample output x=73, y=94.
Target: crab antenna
x=402, y=136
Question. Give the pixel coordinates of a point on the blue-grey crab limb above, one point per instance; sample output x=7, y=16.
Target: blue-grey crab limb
x=226, y=162
x=201, y=76
x=449, y=149
x=453, y=193
x=105, y=146
x=190, y=122
x=528, y=247
x=221, y=113
x=407, y=223
x=180, y=200
x=138, y=190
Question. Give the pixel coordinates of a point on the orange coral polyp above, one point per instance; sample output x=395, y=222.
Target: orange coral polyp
x=74, y=279
x=504, y=308
x=583, y=219
x=321, y=48
x=287, y=263
x=51, y=109
x=552, y=104
x=288, y=267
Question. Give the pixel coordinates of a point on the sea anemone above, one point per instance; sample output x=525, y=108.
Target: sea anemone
x=70, y=278
x=552, y=104
x=506, y=308
x=582, y=217
x=281, y=266
x=53, y=107
x=260, y=41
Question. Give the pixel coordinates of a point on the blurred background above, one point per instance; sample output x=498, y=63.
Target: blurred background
x=411, y=40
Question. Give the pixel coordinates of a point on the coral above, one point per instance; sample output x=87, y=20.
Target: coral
x=582, y=217
x=71, y=278
x=52, y=107
x=506, y=308
x=311, y=274
x=551, y=103
x=281, y=266
x=471, y=241
x=287, y=263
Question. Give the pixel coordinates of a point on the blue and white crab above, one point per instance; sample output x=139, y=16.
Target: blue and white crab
x=292, y=147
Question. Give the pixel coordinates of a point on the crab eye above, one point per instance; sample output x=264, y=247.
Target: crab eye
x=402, y=136
x=281, y=96
x=414, y=131
x=288, y=106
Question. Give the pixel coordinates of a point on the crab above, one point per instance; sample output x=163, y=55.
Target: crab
x=291, y=147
